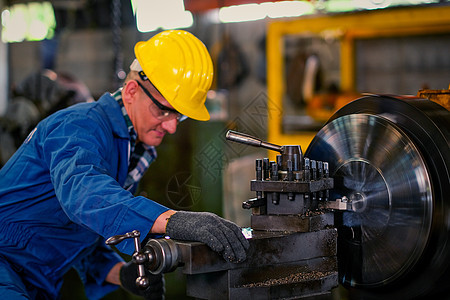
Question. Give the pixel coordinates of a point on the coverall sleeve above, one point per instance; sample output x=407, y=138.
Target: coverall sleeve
x=94, y=268
x=82, y=152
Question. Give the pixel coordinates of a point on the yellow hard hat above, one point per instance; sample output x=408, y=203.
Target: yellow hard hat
x=180, y=67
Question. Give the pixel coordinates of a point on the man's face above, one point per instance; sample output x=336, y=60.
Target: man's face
x=149, y=126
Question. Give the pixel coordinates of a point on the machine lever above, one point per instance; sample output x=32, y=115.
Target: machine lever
x=158, y=256
x=114, y=240
x=139, y=257
x=250, y=140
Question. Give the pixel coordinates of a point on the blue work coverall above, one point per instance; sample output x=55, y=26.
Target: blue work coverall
x=61, y=196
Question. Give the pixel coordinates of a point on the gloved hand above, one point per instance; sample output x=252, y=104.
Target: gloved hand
x=220, y=235
x=128, y=275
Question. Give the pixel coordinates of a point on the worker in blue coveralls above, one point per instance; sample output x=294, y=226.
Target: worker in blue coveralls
x=71, y=183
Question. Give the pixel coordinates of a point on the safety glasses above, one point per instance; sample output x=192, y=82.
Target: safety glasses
x=160, y=111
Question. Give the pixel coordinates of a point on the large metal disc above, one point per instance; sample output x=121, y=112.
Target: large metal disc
x=381, y=171
x=382, y=155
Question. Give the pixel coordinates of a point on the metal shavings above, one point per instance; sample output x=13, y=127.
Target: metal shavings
x=292, y=278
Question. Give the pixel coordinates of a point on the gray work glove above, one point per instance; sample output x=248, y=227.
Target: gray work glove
x=219, y=234
x=128, y=276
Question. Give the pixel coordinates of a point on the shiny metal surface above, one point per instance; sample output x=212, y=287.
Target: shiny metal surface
x=380, y=170
x=243, y=138
x=391, y=157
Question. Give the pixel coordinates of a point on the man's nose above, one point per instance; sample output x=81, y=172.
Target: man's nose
x=170, y=126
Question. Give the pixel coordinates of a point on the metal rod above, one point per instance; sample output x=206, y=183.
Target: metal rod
x=252, y=141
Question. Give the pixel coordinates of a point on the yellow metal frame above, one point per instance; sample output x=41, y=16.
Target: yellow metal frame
x=349, y=26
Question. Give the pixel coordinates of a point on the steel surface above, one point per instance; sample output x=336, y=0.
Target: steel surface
x=390, y=156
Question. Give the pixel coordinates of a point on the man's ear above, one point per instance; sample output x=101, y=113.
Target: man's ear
x=129, y=91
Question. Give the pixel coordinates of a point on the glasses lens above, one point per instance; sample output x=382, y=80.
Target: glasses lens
x=161, y=112
x=182, y=118
x=164, y=115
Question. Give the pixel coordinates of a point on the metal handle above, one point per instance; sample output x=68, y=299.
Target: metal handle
x=139, y=258
x=243, y=138
x=114, y=240
x=158, y=256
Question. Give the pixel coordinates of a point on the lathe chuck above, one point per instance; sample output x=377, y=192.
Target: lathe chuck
x=390, y=157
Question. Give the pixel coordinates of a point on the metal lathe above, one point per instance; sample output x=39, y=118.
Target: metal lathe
x=365, y=207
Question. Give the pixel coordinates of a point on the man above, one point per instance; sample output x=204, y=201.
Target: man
x=71, y=184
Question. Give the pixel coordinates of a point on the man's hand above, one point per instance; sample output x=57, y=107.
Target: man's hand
x=219, y=234
x=128, y=275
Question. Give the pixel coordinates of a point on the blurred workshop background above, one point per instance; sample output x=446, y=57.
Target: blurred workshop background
x=281, y=69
